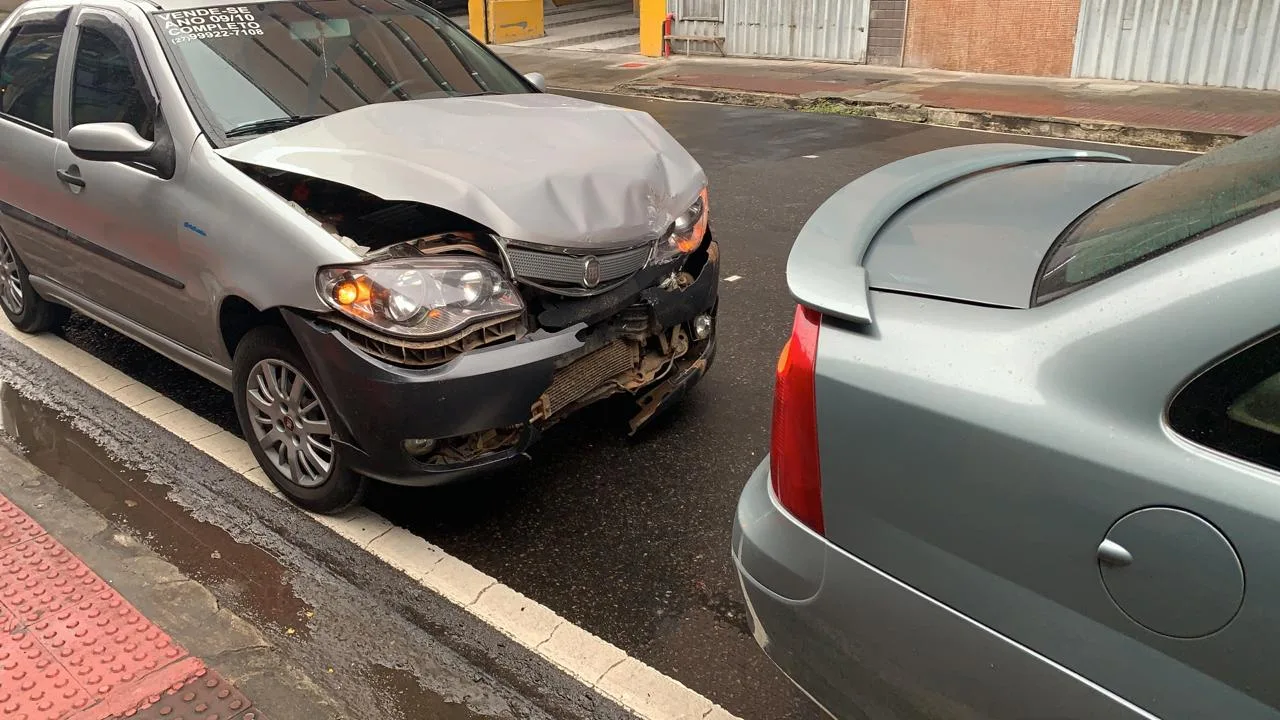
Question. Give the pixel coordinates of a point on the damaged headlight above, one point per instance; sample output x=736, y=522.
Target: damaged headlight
x=419, y=297
x=685, y=234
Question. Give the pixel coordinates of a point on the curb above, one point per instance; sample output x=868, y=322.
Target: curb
x=1055, y=127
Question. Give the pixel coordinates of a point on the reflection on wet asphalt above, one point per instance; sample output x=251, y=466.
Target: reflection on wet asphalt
x=203, y=552
x=629, y=537
x=242, y=574
x=360, y=639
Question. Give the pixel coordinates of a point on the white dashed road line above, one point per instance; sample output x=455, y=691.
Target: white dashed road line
x=598, y=664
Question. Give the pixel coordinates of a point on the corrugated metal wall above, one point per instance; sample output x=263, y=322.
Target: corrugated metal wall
x=806, y=29
x=696, y=18
x=1229, y=43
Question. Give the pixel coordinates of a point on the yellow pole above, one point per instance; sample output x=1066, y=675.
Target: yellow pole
x=477, y=13
x=653, y=14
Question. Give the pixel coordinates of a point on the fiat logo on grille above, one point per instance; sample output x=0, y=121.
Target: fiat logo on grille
x=590, y=271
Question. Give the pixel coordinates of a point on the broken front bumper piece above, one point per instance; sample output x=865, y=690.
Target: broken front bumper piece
x=481, y=410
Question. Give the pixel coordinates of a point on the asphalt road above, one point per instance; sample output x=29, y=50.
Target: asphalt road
x=629, y=537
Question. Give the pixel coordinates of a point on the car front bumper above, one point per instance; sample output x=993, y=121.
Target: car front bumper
x=379, y=405
x=862, y=644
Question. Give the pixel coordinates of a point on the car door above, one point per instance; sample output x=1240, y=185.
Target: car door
x=29, y=191
x=116, y=209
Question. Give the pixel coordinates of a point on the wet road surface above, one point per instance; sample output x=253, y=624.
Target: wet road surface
x=629, y=537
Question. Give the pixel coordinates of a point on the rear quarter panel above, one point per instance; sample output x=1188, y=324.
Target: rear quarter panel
x=980, y=455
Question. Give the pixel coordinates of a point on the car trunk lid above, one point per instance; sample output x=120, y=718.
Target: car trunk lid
x=981, y=239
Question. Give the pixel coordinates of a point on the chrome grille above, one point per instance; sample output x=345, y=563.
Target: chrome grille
x=562, y=269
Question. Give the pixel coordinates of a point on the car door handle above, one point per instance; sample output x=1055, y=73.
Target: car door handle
x=70, y=179
x=1113, y=553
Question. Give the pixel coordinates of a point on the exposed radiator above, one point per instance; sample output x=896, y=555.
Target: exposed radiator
x=586, y=374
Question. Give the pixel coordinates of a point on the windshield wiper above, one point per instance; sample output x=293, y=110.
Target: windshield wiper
x=258, y=127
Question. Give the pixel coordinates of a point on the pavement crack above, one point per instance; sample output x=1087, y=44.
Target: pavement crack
x=610, y=669
x=379, y=535
x=476, y=599
x=559, y=625
x=225, y=656
x=486, y=589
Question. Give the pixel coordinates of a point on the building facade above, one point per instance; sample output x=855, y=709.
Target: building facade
x=1228, y=43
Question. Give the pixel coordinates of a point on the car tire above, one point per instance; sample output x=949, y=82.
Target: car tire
x=22, y=305
x=290, y=427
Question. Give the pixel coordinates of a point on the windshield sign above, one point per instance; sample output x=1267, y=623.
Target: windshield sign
x=204, y=23
x=262, y=67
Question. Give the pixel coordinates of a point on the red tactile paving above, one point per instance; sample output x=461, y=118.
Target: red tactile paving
x=34, y=686
x=15, y=526
x=72, y=648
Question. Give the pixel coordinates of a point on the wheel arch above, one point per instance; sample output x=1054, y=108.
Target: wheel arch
x=238, y=316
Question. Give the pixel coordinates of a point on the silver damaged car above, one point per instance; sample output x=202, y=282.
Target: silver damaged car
x=403, y=258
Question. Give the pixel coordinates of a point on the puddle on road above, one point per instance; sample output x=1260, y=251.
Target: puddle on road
x=202, y=551
x=401, y=687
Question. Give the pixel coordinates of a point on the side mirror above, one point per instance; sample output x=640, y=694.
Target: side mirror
x=538, y=80
x=109, y=141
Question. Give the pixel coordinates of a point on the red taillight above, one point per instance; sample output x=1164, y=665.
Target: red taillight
x=797, y=480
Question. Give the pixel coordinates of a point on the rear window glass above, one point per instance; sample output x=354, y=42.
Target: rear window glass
x=1169, y=210
x=1234, y=406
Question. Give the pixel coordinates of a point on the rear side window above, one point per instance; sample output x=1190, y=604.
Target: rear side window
x=1212, y=191
x=28, y=66
x=1234, y=407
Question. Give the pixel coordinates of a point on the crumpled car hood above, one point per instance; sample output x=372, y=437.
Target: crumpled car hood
x=538, y=168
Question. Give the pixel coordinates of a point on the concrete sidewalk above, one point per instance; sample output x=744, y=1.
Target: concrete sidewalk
x=1168, y=116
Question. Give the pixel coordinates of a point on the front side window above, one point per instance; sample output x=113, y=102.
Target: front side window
x=1234, y=407
x=1153, y=217
x=28, y=66
x=109, y=84
x=258, y=68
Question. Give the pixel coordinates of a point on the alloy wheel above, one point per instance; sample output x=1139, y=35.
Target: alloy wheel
x=289, y=423
x=10, y=278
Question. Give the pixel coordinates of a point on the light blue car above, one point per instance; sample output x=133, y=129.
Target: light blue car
x=1026, y=441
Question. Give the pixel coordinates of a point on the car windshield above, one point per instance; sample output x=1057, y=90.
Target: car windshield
x=259, y=68
x=1175, y=207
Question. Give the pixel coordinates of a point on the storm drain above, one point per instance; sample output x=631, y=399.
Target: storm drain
x=587, y=374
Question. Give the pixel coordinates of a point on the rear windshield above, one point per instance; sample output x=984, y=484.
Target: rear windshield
x=1169, y=210
x=246, y=64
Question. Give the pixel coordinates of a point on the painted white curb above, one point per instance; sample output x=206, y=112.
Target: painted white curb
x=598, y=664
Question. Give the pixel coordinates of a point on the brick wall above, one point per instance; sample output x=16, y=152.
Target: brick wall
x=1015, y=37
x=885, y=31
